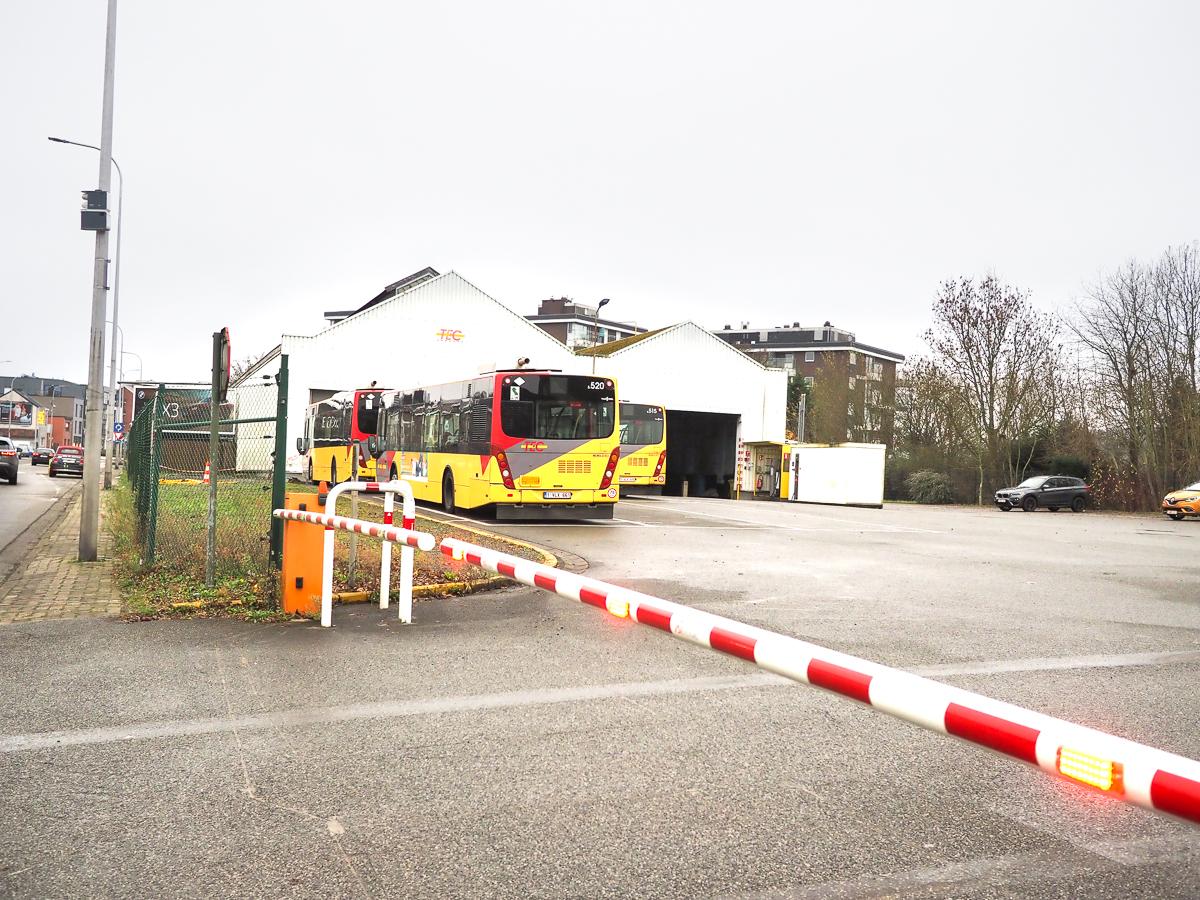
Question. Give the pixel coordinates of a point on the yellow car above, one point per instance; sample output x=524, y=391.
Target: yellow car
x=1184, y=502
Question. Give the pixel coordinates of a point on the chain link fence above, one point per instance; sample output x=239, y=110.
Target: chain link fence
x=203, y=496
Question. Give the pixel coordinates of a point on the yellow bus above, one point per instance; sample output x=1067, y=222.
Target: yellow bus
x=336, y=431
x=643, y=466
x=532, y=444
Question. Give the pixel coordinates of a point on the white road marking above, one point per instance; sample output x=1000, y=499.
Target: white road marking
x=844, y=527
x=50, y=740
x=385, y=710
x=847, y=526
x=1063, y=663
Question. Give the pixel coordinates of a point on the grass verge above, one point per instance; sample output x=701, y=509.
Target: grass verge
x=245, y=586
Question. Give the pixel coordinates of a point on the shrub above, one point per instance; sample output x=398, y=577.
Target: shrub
x=929, y=487
x=1068, y=464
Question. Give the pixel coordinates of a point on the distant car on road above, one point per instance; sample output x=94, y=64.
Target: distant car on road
x=67, y=460
x=10, y=460
x=1183, y=502
x=42, y=455
x=1054, y=492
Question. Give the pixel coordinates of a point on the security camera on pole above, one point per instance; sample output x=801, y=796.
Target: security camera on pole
x=95, y=218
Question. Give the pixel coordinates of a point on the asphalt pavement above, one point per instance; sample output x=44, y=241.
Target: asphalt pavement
x=516, y=744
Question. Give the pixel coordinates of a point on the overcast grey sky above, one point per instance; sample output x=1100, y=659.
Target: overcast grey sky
x=767, y=162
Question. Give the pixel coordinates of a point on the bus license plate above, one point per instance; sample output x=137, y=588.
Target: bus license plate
x=628, y=479
x=556, y=495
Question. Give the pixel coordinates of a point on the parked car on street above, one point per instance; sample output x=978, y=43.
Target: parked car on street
x=42, y=455
x=1054, y=492
x=10, y=460
x=1183, y=502
x=67, y=460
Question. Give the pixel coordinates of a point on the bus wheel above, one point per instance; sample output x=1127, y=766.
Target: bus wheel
x=310, y=473
x=448, y=492
x=392, y=474
x=333, y=472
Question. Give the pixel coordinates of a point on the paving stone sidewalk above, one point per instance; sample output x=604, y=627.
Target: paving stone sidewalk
x=52, y=584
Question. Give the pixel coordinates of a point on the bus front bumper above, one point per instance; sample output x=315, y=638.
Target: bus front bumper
x=582, y=505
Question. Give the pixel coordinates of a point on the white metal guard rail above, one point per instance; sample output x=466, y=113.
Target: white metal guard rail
x=1133, y=772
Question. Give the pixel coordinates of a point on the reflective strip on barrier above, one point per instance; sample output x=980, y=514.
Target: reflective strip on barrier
x=419, y=539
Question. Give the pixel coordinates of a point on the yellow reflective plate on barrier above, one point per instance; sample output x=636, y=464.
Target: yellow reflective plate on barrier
x=1101, y=773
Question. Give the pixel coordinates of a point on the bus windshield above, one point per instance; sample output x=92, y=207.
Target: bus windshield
x=641, y=424
x=367, y=412
x=557, y=407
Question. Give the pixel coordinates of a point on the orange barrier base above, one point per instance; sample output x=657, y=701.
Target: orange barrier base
x=303, y=547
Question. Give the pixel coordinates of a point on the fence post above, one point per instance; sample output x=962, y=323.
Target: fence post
x=153, y=473
x=214, y=462
x=279, y=472
x=352, y=568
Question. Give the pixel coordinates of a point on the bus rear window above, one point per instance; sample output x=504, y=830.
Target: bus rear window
x=368, y=413
x=641, y=424
x=557, y=407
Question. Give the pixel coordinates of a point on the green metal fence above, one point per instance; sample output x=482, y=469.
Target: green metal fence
x=172, y=468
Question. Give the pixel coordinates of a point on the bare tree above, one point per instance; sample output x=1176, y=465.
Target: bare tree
x=1004, y=356
x=1114, y=323
x=240, y=366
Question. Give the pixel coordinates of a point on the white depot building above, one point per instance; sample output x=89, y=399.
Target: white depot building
x=430, y=328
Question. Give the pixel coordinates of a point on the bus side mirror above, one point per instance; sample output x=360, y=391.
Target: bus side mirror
x=373, y=446
x=301, y=445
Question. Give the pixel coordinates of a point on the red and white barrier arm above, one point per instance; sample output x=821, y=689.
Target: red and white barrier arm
x=419, y=539
x=1132, y=772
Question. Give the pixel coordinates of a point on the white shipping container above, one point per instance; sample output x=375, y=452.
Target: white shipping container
x=841, y=474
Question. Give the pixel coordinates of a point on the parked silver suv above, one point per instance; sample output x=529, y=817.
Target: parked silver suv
x=1051, y=491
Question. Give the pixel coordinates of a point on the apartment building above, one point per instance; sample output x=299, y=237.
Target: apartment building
x=578, y=326
x=842, y=373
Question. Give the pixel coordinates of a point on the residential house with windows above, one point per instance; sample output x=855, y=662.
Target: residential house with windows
x=64, y=418
x=578, y=325
x=841, y=372
x=22, y=421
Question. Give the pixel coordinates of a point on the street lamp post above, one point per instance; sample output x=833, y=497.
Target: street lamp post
x=109, y=442
x=116, y=304
x=89, y=510
x=596, y=331
x=125, y=353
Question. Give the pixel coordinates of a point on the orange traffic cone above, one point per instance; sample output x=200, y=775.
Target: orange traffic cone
x=207, y=473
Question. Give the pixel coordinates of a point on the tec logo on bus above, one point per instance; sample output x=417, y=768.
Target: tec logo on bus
x=533, y=446
x=450, y=334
